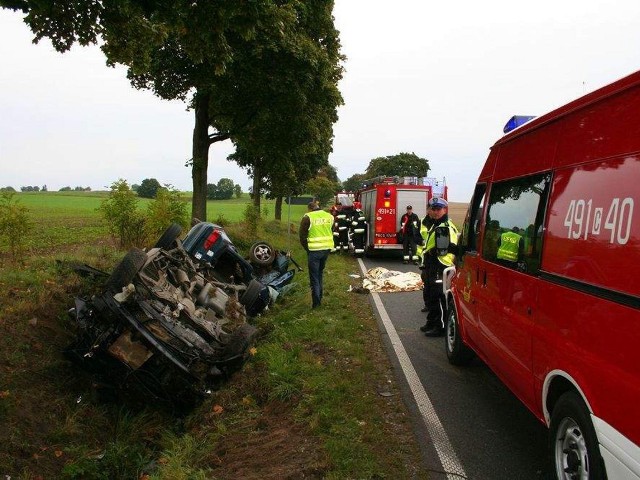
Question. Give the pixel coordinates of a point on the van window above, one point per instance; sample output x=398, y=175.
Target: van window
x=471, y=227
x=515, y=217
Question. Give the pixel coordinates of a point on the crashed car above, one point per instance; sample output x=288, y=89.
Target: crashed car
x=171, y=325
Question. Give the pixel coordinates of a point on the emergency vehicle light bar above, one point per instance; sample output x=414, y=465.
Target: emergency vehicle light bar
x=516, y=121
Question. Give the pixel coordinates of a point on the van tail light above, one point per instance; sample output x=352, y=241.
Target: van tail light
x=211, y=239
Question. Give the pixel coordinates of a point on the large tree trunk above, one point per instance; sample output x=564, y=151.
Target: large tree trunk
x=278, y=208
x=200, y=156
x=256, y=186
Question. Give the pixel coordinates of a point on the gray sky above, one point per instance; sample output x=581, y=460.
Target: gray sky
x=436, y=78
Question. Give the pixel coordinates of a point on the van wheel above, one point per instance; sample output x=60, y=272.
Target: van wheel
x=457, y=352
x=126, y=270
x=169, y=237
x=573, y=444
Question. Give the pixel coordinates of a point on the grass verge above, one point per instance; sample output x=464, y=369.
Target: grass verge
x=307, y=405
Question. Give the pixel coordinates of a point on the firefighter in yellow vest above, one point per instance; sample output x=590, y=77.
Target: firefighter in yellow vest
x=316, y=237
x=440, y=240
x=510, y=246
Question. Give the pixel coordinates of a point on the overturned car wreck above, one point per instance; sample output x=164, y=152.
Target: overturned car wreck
x=171, y=323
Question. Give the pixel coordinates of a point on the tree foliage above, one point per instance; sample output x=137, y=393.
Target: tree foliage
x=354, y=182
x=167, y=208
x=148, y=188
x=223, y=190
x=322, y=188
x=402, y=165
x=264, y=72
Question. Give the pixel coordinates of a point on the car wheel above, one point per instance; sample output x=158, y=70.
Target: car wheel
x=457, y=352
x=251, y=294
x=573, y=444
x=261, y=253
x=127, y=269
x=168, y=238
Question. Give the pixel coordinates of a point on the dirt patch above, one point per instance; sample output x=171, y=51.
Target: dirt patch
x=270, y=446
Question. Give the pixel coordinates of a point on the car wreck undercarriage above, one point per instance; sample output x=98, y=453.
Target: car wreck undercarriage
x=166, y=328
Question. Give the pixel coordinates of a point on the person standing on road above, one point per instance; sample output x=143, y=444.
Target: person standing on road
x=317, y=239
x=425, y=225
x=440, y=246
x=410, y=228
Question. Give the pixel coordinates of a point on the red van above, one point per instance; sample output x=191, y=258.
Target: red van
x=546, y=290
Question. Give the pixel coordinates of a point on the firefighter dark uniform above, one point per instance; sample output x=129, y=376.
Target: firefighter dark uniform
x=410, y=228
x=341, y=230
x=439, y=247
x=317, y=240
x=358, y=231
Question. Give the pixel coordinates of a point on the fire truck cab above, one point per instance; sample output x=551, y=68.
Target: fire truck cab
x=546, y=291
x=384, y=200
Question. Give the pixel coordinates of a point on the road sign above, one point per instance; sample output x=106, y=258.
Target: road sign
x=298, y=200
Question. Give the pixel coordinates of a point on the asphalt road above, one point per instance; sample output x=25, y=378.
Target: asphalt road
x=493, y=436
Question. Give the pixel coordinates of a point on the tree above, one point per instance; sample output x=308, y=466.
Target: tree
x=322, y=188
x=285, y=119
x=354, y=182
x=329, y=171
x=65, y=189
x=401, y=165
x=237, y=190
x=225, y=188
x=178, y=50
x=148, y=188
x=7, y=189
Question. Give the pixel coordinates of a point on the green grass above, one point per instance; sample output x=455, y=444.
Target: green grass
x=305, y=404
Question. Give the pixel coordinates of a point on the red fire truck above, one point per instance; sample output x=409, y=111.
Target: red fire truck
x=384, y=200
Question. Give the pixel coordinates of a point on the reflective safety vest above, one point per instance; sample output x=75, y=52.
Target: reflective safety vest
x=509, y=246
x=429, y=236
x=320, y=236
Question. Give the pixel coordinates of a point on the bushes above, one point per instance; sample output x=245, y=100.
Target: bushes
x=133, y=227
x=120, y=211
x=14, y=224
x=166, y=209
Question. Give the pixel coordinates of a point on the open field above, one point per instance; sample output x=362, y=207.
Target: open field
x=291, y=412
x=457, y=212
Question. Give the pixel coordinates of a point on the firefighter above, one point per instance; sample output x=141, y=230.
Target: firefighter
x=341, y=228
x=316, y=238
x=358, y=230
x=440, y=242
x=409, y=228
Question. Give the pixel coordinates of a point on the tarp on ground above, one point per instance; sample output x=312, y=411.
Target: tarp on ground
x=380, y=279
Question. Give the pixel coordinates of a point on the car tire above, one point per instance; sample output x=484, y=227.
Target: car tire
x=573, y=444
x=262, y=254
x=251, y=294
x=126, y=270
x=457, y=352
x=169, y=237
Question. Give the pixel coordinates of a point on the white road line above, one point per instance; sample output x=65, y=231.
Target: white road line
x=446, y=454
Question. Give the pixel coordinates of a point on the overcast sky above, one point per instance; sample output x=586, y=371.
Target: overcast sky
x=436, y=78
